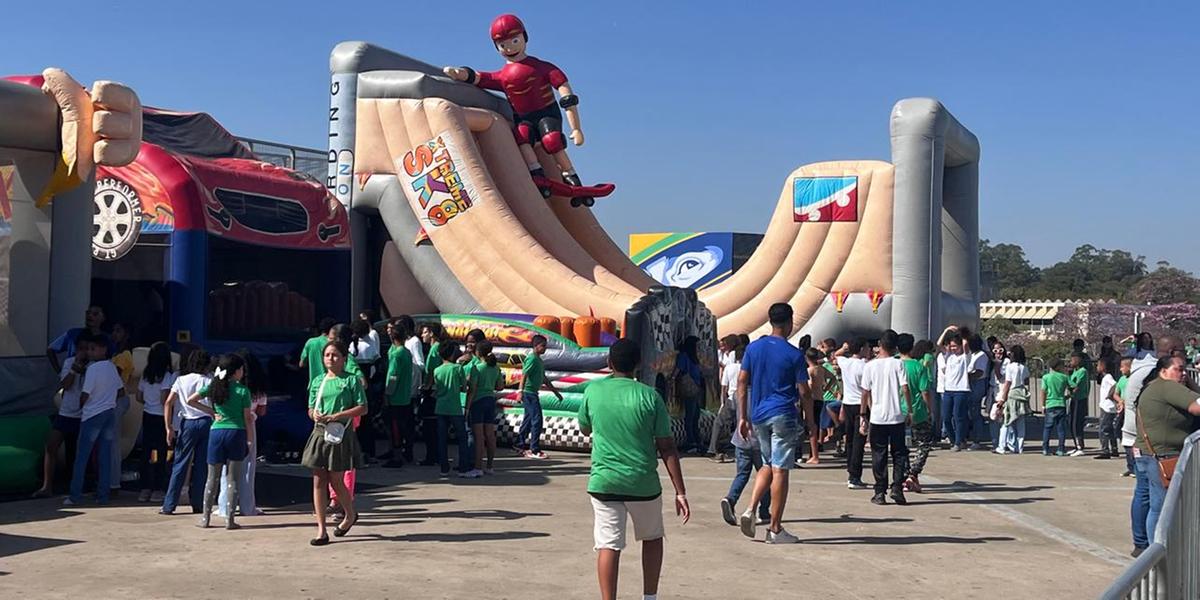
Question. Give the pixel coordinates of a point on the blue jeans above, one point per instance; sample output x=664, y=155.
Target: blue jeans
x=1148, y=496
x=748, y=461
x=193, y=437
x=531, y=422
x=1056, y=419
x=946, y=412
x=691, y=424
x=979, y=427
x=459, y=423
x=960, y=404
x=778, y=437
x=98, y=432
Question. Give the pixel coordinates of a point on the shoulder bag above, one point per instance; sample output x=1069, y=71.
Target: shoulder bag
x=334, y=430
x=1166, y=466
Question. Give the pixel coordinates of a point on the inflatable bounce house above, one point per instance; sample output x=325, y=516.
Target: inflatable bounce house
x=430, y=164
x=692, y=260
x=203, y=238
x=53, y=135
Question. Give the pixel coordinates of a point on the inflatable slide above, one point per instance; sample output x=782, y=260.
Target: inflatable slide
x=854, y=246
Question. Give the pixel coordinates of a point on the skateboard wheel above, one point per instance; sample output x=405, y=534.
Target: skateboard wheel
x=589, y=201
x=575, y=202
x=545, y=192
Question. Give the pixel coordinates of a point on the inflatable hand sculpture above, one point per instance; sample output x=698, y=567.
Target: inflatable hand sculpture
x=103, y=127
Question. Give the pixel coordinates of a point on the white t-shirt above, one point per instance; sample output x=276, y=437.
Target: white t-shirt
x=70, y=396
x=940, y=361
x=1139, y=370
x=418, y=359
x=184, y=387
x=979, y=362
x=735, y=367
x=101, y=382
x=1016, y=374
x=152, y=393
x=955, y=371
x=729, y=379
x=883, y=378
x=1107, y=385
x=852, y=371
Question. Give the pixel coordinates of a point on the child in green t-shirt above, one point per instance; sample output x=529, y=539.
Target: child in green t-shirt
x=228, y=442
x=1080, y=385
x=449, y=382
x=399, y=394
x=1055, y=387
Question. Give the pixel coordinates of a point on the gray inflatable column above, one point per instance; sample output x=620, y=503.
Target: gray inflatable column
x=343, y=93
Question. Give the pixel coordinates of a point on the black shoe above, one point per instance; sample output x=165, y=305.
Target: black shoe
x=1102, y=457
x=897, y=496
x=878, y=499
x=1137, y=551
x=573, y=179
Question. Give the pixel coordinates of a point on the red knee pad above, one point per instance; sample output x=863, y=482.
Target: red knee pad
x=554, y=142
x=522, y=133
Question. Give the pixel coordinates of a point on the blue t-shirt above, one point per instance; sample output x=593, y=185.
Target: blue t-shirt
x=775, y=367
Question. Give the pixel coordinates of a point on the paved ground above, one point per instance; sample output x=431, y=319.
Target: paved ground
x=1019, y=526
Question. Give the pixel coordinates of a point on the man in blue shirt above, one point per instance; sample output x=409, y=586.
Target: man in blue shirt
x=772, y=384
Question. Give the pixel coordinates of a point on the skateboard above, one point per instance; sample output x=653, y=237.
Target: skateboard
x=584, y=195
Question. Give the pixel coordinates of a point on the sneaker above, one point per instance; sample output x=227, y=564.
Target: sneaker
x=1061, y=453
x=1102, y=457
x=955, y=448
x=1127, y=474
x=915, y=484
x=897, y=496
x=764, y=519
x=878, y=499
x=975, y=446
x=70, y=502
x=1076, y=452
x=144, y=496
x=747, y=524
x=781, y=537
x=157, y=497
x=444, y=475
x=856, y=484
x=472, y=474
x=489, y=471
x=727, y=512
x=1137, y=551
x=538, y=455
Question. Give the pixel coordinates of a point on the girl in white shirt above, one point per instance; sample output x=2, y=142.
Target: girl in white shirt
x=1014, y=400
x=1108, y=407
x=954, y=364
x=152, y=392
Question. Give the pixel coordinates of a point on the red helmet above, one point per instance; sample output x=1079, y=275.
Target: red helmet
x=507, y=26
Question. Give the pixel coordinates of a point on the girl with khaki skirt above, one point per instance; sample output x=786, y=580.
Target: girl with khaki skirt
x=332, y=449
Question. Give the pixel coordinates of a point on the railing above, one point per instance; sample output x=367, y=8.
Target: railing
x=309, y=161
x=1170, y=568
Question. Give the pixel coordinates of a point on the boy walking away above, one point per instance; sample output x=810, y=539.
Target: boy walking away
x=1079, y=385
x=747, y=454
x=630, y=429
x=851, y=364
x=886, y=400
x=98, y=403
x=399, y=394
x=1054, y=398
x=773, y=381
x=920, y=409
x=730, y=352
x=449, y=381
x=1108, y=407
x=533, y=373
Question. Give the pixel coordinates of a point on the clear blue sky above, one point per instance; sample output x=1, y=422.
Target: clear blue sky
x=1087, y=112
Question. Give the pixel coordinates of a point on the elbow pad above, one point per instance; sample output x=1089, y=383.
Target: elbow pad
x=568, y=101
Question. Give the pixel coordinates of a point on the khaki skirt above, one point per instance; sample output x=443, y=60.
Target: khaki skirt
x=319, y=454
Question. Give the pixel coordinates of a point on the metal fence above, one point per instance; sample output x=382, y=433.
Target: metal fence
x=1170, y=568
x=309, y=161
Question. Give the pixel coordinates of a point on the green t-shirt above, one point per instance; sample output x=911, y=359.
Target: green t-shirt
x=918, y=383
x=313, y=357
x=533, y=372
x=352, y=367
x=448, y=382
x=832, y=385
x=484, y=378
x=1079, y=384
x=231, y=414
x=399, y=375
x=626, y=417
x=1163, y=415
x=1121, y=383
x=433, y=360
x=336, y=393
x=1055, y=384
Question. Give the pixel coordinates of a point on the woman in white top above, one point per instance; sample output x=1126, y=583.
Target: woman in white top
x=1014, y=401
x=1108, y=406
x=954, y=364
x=152, y=392
x=995, y=382
x=192, y=439
x=981, y=364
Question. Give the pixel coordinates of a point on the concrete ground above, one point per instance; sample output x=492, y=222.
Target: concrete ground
x=1017, y=526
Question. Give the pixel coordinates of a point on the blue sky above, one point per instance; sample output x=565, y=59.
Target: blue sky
x=1087, y=112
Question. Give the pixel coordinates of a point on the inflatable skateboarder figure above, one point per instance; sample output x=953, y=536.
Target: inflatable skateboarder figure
x=529, y=84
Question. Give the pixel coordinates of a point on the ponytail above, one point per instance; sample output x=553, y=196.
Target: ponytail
x=484, y=350
x=218, y=390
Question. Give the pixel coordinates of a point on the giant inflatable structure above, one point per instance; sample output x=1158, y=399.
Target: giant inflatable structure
x=853, y=246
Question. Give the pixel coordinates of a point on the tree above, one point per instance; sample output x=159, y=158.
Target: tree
x=1011, y=274
x=999, y=327
x=1167, y=285
x=1093, y=273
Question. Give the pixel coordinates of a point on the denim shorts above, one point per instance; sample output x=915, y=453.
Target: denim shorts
x=482, y=411
x=778, y=436
x=67, y=425
x=226, y=445
x=835, y=407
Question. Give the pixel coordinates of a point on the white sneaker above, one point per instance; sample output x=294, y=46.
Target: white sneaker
x=69, y=502
x=747, y=523
x=472, y=474
x=783, y=537
x=1077, y=453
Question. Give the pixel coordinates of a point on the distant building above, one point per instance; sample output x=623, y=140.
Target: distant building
x=1034, y=316
x=692, y=260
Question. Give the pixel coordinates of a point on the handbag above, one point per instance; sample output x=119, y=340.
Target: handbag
x=334, y=430
x=1166, y=466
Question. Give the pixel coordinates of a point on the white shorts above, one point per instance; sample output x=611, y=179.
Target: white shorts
x=609, y=531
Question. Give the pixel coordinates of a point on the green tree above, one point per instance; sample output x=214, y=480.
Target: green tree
x=1012, y=276
x=999, y=327
x=1167, y=285
x=1093, y=273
